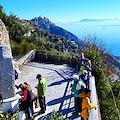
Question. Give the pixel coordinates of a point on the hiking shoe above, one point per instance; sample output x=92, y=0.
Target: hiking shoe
x=37, y=106
x=75, y=113
x=42, y=112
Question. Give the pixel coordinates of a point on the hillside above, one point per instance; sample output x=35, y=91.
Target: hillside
x=47, y=25
x=60, y=43
x=25, y=35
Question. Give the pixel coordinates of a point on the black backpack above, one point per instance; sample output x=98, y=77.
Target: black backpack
x=80, y=105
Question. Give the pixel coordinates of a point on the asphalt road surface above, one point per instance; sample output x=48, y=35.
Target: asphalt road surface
x=58, y=94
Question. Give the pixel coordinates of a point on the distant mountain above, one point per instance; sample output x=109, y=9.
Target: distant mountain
x=47, y=25
x=87, y=20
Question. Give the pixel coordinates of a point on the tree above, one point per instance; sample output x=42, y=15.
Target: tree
x=101, y=63
x=96, y=51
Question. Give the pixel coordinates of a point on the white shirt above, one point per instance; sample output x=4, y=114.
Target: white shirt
x=79, y=84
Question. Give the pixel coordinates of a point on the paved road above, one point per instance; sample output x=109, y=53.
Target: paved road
x=59, y=79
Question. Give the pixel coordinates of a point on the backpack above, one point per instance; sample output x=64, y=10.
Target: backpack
x=31, y=94
x=80, y=105
x=74, y=87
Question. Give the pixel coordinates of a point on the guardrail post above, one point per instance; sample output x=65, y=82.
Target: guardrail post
x=59, y=57
x=46, y=55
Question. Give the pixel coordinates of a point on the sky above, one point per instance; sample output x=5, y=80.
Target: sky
x=63, y=10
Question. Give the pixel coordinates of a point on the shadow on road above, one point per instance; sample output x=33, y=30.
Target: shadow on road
x=60, y=82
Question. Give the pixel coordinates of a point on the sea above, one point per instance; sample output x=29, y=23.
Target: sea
x=107, y=31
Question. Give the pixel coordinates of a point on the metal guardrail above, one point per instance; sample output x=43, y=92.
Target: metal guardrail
x=55, y=57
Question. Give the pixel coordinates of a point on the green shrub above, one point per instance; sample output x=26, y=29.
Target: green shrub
x=8, y=116
x=55, y=116
x=26, y=47
x=15, y=48
x=65, y=58
x=22, y=48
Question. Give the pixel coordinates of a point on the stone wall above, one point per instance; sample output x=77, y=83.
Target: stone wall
x=26, y=58
x=7, y=88
x=20, y=60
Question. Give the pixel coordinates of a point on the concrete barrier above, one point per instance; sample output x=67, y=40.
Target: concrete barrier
x=26, y=58
x=20, y=60
x=22, y=115
x=10, y=104
x=94, y=113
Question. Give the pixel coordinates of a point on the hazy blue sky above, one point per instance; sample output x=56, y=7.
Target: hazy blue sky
x=63, y=10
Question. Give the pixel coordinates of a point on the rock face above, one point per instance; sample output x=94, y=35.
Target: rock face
x=7, y=88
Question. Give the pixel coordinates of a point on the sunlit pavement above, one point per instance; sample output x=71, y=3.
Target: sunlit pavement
x=59, y=79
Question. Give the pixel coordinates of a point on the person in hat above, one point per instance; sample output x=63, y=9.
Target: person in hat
x=86, y=104
x=85, y=78
x=80, y=61
x=88, y=68
x=41, y=90
x=76, y=87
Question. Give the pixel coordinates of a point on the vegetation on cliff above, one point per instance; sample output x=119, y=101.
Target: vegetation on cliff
x=108, y=92
x=25, y=35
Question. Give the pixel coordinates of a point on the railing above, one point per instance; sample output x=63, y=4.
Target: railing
x=55, y=57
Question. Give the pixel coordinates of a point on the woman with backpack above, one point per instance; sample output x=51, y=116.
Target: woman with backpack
x=33, y=97
x=88, y=68
x=86, y=104
x=77, y=86
x=25, y=101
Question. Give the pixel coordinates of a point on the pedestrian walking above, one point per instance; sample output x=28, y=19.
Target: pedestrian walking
x=16, y=74
x=41, y=89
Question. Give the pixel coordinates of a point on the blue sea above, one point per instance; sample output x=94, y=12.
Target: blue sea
x=108, y=31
